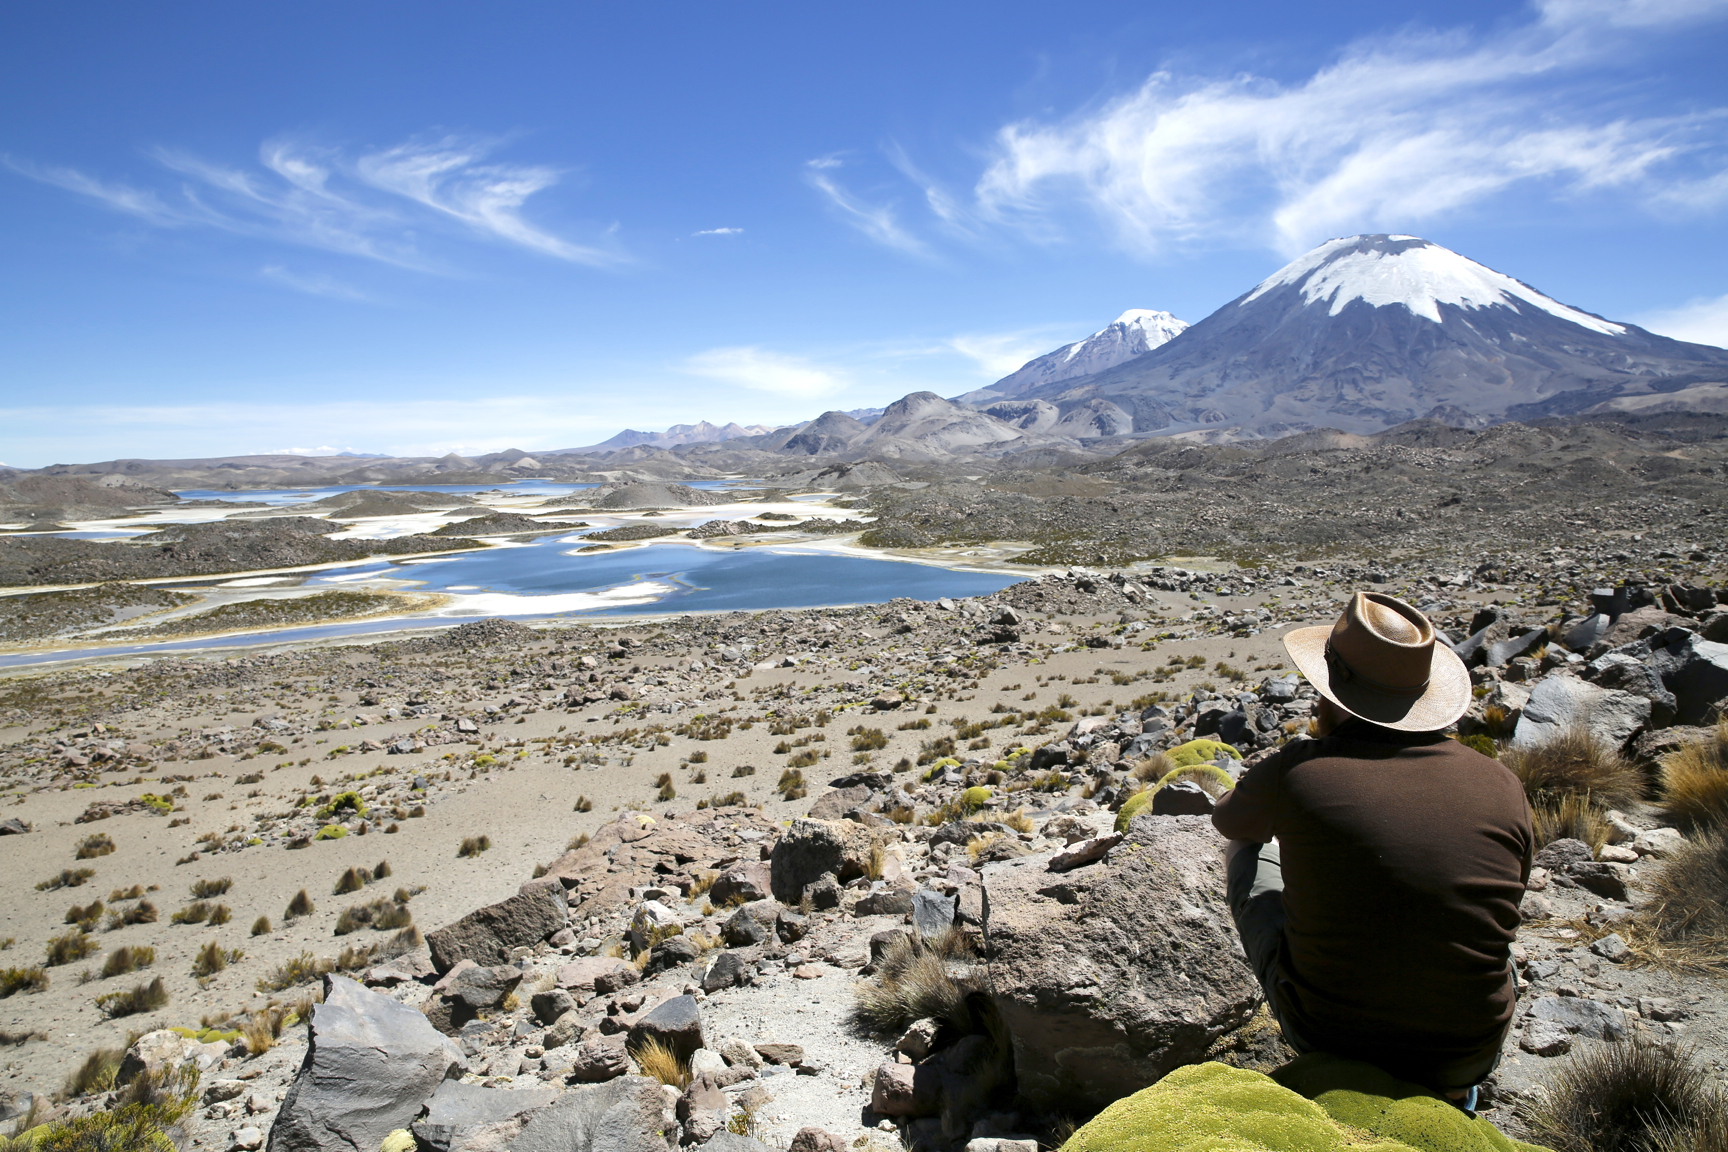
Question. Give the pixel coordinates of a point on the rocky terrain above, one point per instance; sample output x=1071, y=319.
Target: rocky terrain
x=816, y=858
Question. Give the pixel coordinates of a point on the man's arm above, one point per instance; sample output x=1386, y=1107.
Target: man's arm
x=1248, y=811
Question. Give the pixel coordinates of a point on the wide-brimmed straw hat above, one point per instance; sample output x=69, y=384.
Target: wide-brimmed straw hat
x=1380, y=662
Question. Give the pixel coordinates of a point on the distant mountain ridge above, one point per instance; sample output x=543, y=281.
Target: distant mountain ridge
x=1136, y=331
x=701, y=432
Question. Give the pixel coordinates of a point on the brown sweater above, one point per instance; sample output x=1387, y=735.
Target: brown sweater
x=1405, y=857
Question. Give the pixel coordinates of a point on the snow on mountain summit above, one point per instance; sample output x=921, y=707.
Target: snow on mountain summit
x=1407, y=270
x=1136, y=331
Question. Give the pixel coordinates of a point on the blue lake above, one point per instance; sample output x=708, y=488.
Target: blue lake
x=548, y=580
x=291, y=496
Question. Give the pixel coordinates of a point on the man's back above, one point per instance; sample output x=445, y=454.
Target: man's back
x=1404, y=859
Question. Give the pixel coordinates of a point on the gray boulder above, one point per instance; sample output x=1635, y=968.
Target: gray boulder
x=601, y=1059
x=888, y=902
x=473, y=991
x=1561, y=703
x=811, y=847
x=751, y=924
x=728, y=1141
x=1695, y=670
x=1182, y=798
x=675, y=1023
x=1625, y=674
x=487, y=935
x=822, y=893
x=729, y=969
x=458, y=1113
x=932, y=912
x=370, y=1065
x=1580, y=1016
x=628, y=1114
x=669, y=954
x=1110, y=976
x=749, y=881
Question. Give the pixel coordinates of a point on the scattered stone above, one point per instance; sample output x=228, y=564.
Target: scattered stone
x=1182, y=798
x=790, y=1055
x=487, y=935
x=675, y=1023
x=1085, y=852
x=1611, y=947
x=1545, y=1038
x=457, y=1112
x=932, y=912
x=747, y=882
x=822, y=893
x=1561, y=703
x=1581, y=1017
x=751, y=924
x=600, y=1059
x=888, y=902
x=812, y=847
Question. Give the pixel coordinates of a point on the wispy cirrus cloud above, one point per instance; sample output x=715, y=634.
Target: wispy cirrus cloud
x=1396, y=132
x=314, y=285
x=880, y=222
x=1703, y=321
x=384, y=205
x=719, y=232
x=767, y=371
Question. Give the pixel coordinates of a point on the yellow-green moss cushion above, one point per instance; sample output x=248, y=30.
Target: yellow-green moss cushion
x=1200, y=752
x=1216, y=1108
x=1367, y=1097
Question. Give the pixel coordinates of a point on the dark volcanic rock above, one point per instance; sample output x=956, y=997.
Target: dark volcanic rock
x=486, y=935
x=1110, y=976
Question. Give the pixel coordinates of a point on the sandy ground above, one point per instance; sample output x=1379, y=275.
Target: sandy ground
x=526, y=809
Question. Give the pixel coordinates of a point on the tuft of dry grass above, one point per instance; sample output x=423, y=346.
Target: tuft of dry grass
x=661, y=1063
x=300, y=906
x=1575, y=763
x=1630, y=1096
x=91, y=847
x=95, y=1074
x=1684, y=924
x=1695, y=782
x=352, y=880
x=382, y=914
x=142, y=912
x=473, y=846
x=68, y=878
x=85, y=915
x=127, y=958
x=14, y=980
x=383, y=870
x=213, y=958
x=1154, y=767
x=583, y=804
x=1019, y=821
x=301, y=969
x=139, y=998
x=205, y=889
x=913, y=980
x=1570, y=817
x=194, y=913
x=67, y=947
x=261, y=926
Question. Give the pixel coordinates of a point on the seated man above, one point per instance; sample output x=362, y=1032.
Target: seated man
x=1380, y=924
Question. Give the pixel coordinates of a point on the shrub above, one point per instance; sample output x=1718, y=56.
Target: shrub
x=142, y=912
x=96, y=1073
x=93, y=846
x=343, y=802
x=194, y=913
x=132, y=893
x=1695, y=782
x=220, y=915
x=869, y=740
x=743, y=770
x=1627, y=1097
x=204, y=889
x=68, y=878
x=352, y=880
x=139, y=998
x=85, y=916
x=1572, y=817
x=730, y=800
x=1480, y=742
x=22, y=980
x=69, y=946
x=660, y=1062
x=1685, y=920
x=913, y=981
x=667, y=792
x=127, y=958
x=261, y=926
x=577, y=842
x=301, y=969
x=213, y=958
x=301, y=905
x=382, y=871
x=583, y=804
x=473, y=846
x=1575, y=763
x=381, y=914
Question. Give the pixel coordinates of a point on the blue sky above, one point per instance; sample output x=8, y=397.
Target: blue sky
x=421, y=228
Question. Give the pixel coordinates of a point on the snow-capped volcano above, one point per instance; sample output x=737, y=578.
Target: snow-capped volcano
x=1407, y=270
x=1366, y=332
x=1136, y=331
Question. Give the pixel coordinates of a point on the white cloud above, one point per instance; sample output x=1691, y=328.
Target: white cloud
x=877, y=221
x=381, y=205
x=1397, y=132
x=719, y=232
x=1702, y=321
x=766, y=371
x=314, y=285
x=1001, y=353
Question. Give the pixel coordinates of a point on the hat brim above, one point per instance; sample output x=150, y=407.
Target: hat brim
x=1446, y=698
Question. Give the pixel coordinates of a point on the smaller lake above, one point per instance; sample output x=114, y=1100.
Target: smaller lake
x=287, y=497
